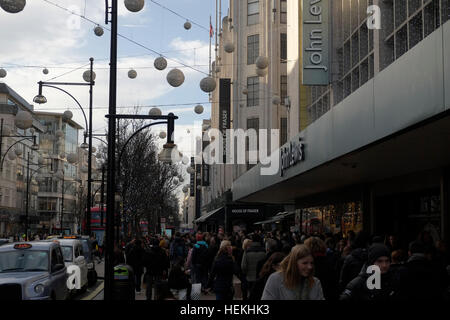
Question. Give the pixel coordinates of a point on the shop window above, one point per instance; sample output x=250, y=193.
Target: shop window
x=252, y=48
x=401, y=39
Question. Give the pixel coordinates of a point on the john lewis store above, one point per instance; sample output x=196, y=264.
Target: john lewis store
x=375, y=147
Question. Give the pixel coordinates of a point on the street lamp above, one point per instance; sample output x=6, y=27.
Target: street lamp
x=89, y=77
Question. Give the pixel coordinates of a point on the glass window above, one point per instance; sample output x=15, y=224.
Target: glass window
x=283, y=47
x=252, y=12
x=253, y=91
x=252, y=124
x=23, y=261
x=283, y=89
x=283, y=131
x=283, y=11
x=252, y=48
x=67, y=253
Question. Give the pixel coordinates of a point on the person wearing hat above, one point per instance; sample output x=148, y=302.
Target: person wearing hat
x=358, y=289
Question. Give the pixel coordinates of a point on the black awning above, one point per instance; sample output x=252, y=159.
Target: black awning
x=208, y=215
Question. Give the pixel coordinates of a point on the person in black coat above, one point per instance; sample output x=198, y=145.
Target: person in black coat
x=389, y=290
x=134, y=258
x=156, y=262
x=354, y=261
x=222, y=272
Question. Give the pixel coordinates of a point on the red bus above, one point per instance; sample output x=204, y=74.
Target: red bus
x=97, y=225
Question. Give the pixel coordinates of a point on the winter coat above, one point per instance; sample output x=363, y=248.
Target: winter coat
x=276, y=290
x=422, y=280
x=358, y=290
x=222, y=273
x=177, y=278
x=178, y=250
x=135, y=257
x=156, y=261
x=352, y=266
x=324, y=270
x=200, y=255
x=252, y=256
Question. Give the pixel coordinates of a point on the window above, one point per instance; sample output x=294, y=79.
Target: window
x=252, y=12
x=252, y=124
x=253, y=91
x=283, y=131
x=252, y=48
x=283, y=11
x=283, y=89
x=283, y=47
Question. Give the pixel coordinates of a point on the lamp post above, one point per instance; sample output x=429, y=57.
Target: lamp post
x=40, y=99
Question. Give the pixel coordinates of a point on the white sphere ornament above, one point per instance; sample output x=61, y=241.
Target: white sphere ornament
x=208, y=84
x=155, y=112
x=13, y=6
x=87, y=76
x=23, y=120
x=261, y=72
x=198, y=109
x=72, y=158
x=229, y=47
x=98, y=31
x=132, y=74
x=45, y=71
x=12, y=156
x=59, y=133
x=62, y=155
x=18, y=152
x=160, y=63
x=190, y=170
x=134, y=5
x=162, y=134
x=199, y=187
x=276, y=100
x=187, y=25
x=3, y=73
x=94, y=149
x=98, y=155
x=262, y=62
x=181, y=179
x=185, y=189
x=67, y=115
x=245, y=91
x=185, y=160
x=175, y=181
x=175, y=77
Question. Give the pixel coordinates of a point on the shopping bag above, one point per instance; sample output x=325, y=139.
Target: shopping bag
x=196, y=291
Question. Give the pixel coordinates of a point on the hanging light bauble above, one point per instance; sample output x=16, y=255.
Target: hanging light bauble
x=98, y=155
x=155, y=112
x=13, y=6
x=41, y=160
x=67, y=115
x=23, y=120
x=198, y=109
x=162, y=134
x=187, y=25
x=185, y=160
x=12, y=156
x=181, y=179
x=245, y=91
x=160, y=63
x=59, y=133
x=185, y=189
x=18, y=152
x=134, y=5
x=208, y=84
x=175, y=181
x=229, y=47
x=62, y=155
x=3, y=73
x=276, y=100
x=132, y=74
x=175, y=77
x=199, y=187
x=87, y=76
x=262, y=62
x=261, y=72
x=72, y=158
x=190, y=170
x=45, y=71
x=98, y=31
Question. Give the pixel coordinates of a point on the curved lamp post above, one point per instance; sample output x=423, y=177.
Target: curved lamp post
x=40, y=99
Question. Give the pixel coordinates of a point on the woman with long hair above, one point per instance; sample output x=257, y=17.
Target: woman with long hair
x=223, y=269
x=272, y=265
x=295, y=280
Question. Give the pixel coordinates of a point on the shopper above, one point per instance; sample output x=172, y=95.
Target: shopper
x=295, y=280
x=134, y=258
x=272, y=265
x=250, y=259
x=200, y=261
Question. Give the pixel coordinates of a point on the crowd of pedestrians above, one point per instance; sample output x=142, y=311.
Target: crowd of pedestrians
x=288, y=266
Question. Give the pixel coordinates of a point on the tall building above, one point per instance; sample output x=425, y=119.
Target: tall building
x=367, y=145
x=15, y=152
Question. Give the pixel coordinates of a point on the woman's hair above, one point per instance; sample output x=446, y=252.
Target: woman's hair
x=268, y=267
x=223, y=247
x=316, y=246
x=289, y=267
x=246, y=244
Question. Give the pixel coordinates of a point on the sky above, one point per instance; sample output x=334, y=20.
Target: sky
x=47, y=35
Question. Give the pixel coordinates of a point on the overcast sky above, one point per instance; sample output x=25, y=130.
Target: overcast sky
x=46, y=36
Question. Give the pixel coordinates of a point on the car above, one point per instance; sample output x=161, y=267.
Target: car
x=72, y=250
x=4, y=241
x=32, y=271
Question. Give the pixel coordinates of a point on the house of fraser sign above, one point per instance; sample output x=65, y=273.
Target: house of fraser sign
x=315, y=21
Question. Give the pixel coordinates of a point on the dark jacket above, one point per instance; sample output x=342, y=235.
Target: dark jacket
x=252, y=256
x=423, y=280
x=352, y=266
x=324, y=271
x=200, y=255
x=178, y=250
x=357, y=289
x=156, y=261
x=177, y=278
x=135, y=257
x=222, y=273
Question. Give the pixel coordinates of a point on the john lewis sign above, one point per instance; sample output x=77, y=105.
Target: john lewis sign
x=315, y=42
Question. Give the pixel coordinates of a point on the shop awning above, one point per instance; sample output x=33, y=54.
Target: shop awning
x=278, y=217
x=207, y=215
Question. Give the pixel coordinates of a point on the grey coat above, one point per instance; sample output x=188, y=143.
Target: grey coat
x=276, y=290
x=250, y=259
